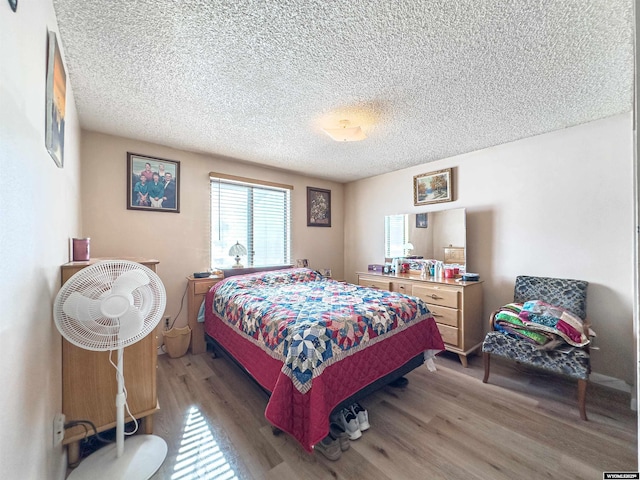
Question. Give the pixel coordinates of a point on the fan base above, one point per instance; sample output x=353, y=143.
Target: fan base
x=142, y=456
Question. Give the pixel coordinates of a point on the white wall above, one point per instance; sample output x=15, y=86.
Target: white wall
x=180, y=241
x=558, y=205
x=39, y=212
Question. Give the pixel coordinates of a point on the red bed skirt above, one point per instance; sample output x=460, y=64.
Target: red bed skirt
x=306, y=416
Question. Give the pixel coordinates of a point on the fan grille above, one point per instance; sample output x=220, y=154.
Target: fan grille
x=94, y=282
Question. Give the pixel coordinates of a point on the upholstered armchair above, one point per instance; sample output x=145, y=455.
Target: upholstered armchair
x=571, y=362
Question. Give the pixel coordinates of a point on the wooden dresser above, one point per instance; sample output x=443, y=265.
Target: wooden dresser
x=197, y=290
x=89, y=385
x=456, y=306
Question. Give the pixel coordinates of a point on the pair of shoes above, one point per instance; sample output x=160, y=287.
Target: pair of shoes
x=329, y=446
x=355, y=420
x=337, y=431
x=362, y=415
x=349, y=422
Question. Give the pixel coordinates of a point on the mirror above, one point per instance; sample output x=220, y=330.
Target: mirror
x=438, y=235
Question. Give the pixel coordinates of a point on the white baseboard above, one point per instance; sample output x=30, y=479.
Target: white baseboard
x=610, y=382
x=617, y=384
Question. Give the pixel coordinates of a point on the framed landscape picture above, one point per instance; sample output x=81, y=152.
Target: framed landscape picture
x=153, y=183
x=433, y=187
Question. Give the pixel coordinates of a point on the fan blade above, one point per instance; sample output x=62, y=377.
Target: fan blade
x=81, y=308
x=130, y=324
x=129, y=281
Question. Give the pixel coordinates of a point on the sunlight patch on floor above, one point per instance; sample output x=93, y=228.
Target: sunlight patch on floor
x=199, y=456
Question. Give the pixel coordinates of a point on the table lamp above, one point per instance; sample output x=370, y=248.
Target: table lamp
x=236, y=251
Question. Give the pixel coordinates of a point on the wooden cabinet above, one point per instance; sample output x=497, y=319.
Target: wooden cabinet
x=455, y=306
x=89, y=385
x=380, y=283
x=454, y=255
x=197, y=291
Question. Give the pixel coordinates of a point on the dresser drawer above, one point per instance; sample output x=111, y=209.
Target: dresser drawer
x=449, y=334
x=402, y=287
x=447, y=297
x=374, y=283
x=204, y=286
x=445, y=315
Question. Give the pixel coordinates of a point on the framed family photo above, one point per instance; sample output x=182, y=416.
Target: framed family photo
x=153, y=183
x=433, y=187
x=318, y=207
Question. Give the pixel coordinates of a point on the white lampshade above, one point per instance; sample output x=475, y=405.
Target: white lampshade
x=236, y=251
x=346, y=132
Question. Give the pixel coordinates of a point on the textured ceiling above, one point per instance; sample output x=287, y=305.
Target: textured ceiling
x=255, y=80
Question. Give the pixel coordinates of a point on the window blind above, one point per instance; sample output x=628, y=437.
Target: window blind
x=257, y=215
x=396, y=234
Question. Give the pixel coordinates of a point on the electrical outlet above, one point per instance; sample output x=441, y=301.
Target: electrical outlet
x=58, y=429
x=167, y=320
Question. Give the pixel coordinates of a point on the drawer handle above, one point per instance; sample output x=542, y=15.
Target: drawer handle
x=435, y=314
x=435, y=297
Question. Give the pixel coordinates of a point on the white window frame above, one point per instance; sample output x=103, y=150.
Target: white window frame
x=221, y=240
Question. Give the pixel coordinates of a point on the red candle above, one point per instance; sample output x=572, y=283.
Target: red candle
x=81, y=249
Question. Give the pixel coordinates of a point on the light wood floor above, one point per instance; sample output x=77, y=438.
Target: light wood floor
x=443, y=425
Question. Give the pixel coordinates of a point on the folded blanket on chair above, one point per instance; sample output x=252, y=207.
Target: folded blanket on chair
x=543, y=324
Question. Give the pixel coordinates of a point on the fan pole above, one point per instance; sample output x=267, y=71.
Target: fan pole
x=120, y=401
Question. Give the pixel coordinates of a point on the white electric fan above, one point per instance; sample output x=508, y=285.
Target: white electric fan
x=109, y=306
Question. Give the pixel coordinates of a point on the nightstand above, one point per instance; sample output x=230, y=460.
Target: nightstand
x=197, y=291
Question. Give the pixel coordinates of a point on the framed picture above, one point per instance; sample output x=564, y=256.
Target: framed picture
x=153, y=183
x=433, y=187
x=318, y=207
x=302, y=263
x=13, y=4
x=326, y=272
x=56, y=97
x=422, y=220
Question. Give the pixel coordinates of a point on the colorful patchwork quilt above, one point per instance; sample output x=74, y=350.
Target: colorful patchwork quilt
x=308, y=321
x=313, y=342
x=541, y=323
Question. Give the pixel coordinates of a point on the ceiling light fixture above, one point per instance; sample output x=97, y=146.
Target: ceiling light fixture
x=346, y=133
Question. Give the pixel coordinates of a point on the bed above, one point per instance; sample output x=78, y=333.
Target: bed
x=313, y=343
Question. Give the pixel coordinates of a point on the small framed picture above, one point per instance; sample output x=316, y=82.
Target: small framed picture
x=433, y=187
x=13, y=4
x=318, y=207
x=302, y=263
x=326, y=272
x=153, y=184
x=422, y=220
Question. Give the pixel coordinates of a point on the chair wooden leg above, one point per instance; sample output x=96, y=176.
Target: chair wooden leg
x=582, y=397
x=486, y=359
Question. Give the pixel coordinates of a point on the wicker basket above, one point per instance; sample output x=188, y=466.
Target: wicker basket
x=176, y=341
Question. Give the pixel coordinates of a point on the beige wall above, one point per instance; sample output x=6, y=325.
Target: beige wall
x=180, y=241
x=559, y=205
x=40, y=211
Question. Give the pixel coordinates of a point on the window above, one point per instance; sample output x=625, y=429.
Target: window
x=256, y=214
x=396, y=232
